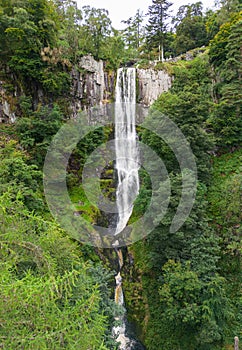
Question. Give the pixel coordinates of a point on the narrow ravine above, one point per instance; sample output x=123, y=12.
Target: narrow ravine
x=127, y=167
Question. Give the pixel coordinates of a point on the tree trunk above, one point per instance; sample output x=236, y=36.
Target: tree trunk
x=236, y=343
x=162, y=53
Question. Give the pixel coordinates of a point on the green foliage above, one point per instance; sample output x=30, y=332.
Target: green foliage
x=82, y=204
x=227, y=8
x=36, y=130
x=114, y=51
x=70, y=31
x=187, y=104
x=56, y=83
x=28, y=28
x=85, y=31
x=17, y=176
x=97, y=26
x=84, y=148
x=186, y=289
x=156, y=29
x=224, y=53
x=193, y=310
x=190, y=28
x=225, y=212
x=133, y=32
x=50, y=298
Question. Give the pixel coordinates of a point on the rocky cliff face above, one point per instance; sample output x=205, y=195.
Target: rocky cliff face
x=92, y=85
x=151, y=84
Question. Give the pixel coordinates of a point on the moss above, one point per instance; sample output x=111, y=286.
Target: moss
x=133, y=286
x=108, y=188
x=82, y=204
x=109, y=172
x=9, y=88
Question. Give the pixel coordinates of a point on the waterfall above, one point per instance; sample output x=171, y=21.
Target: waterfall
x=127, y=167
x=126, y=145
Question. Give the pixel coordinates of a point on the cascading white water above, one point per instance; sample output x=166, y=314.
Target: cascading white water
x=127, y=167
x=126, y=145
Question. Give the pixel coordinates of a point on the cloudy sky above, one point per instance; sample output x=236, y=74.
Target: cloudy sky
x=123, y=9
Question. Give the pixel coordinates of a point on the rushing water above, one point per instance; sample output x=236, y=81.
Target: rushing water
x=127, y=166
x=126, y=145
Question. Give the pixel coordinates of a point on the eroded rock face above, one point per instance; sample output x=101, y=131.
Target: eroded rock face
x=92, y=81
x=151, y=84
x=92, y=85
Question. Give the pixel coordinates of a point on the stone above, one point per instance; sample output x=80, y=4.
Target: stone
x=7, y=111
x=151, y=84
x=91, y=85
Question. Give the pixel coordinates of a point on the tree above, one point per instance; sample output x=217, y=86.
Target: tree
x=70, y=32
x=195, y=308
x=215, y=19
x=186, y=297
x=156, y=28
x=27, y=26
x=18, y=177
x=133, y=32
x=225, y=56
x=97, y=27
x=50, y=298
x=225, y=212
x=228, y=7
x=35, y=130
x=29, y=46
x=188, y=103
x=186, y=11
x=114, y=52
x=190, y=26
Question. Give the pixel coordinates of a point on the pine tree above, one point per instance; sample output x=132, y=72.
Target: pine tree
x=157, y=25
x=133, y=31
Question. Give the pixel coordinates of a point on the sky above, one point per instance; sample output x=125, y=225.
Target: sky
x=123, y=9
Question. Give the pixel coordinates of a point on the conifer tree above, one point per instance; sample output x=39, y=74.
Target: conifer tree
x=157, y=25
x=133, y=31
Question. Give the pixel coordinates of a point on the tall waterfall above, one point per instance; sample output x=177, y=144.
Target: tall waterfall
x=126, y=145
x=127, y=167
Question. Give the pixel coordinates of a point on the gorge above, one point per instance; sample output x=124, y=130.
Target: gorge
x=78, y=285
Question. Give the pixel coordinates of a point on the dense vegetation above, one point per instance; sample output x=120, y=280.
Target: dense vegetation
x=184, y=290
x=193, y=301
